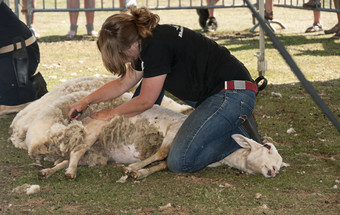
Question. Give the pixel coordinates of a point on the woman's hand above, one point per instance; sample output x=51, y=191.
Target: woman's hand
x=105, y=114
x=77, y=109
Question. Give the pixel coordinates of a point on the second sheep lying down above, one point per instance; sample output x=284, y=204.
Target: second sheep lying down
x=45, y=131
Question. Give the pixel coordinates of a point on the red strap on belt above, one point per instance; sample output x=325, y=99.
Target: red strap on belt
x=240, y=85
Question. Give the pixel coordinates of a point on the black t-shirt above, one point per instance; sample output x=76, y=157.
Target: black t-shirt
x=196, y=66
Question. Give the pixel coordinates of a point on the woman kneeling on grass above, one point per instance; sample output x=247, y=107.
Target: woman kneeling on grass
x=188, y=65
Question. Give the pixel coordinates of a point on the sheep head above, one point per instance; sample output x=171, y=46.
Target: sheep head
x=262, y=159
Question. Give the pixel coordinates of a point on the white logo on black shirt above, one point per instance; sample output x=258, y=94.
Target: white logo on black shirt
x=141, y=63
x=179, y=29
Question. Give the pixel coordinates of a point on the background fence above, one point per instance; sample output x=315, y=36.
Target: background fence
x=113, y=5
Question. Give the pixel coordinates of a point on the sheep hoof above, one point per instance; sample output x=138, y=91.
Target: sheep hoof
x=126, y=170
x=42, y=175
x=70, y=176
x=134, y=175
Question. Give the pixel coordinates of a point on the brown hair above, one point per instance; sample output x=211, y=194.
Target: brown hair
x=119, y=32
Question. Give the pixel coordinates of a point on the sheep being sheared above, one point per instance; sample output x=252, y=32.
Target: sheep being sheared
x=41, y=114
x=45, y=131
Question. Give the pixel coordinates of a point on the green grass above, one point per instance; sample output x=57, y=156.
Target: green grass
x=306, y=187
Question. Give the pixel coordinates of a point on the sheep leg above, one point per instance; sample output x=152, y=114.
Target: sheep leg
x=143, y=173
x=93, y=129
x=59, y=160
x=161, y=154
x=75, y=156
x=5, y=109
x=46, y=173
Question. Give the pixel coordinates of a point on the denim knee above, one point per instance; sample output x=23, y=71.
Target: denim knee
x=173, y=165
x=178, y=164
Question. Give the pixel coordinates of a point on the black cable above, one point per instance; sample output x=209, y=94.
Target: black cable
x=289, y=60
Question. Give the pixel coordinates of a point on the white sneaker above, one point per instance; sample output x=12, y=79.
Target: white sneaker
x=128, y=3
x=37, y=35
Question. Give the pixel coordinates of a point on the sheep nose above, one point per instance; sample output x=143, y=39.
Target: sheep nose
x=269, y=173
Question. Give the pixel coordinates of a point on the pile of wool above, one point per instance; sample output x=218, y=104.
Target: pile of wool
x=38, y=109
x=40, y=123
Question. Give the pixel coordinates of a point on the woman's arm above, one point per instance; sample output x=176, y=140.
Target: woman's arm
x=150, y=90
x=111, y=90
x=115, y=88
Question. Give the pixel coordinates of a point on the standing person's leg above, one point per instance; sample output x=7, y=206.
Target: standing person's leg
x=24, y=10
x=268, y=12
x=90, y=18
x=73, y=18
x=205, y=136
x=337, y=34
x=317, y=15
x=212, y=23
x=336, y=28
x=204, y=14
x=211, y=10
x=316, y=24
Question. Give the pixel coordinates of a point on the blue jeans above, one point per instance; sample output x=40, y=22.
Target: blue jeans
x=205, y=136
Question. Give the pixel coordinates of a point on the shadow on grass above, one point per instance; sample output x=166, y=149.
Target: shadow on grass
x=330, y=47
x=247, y=41
x=295, y=108
x=244, y=41
x=59, y=38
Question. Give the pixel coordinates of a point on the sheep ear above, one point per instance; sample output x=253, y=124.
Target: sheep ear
x=245, y=142
x=267, y=146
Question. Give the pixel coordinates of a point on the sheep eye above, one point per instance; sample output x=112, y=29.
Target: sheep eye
x=267, y=146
